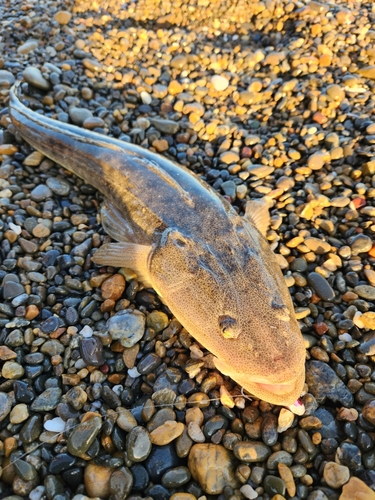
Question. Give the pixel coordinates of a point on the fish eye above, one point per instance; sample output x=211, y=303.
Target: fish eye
x=228, y=327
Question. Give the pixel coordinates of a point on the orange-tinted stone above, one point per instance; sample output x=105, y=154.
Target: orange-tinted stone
x=116, y=378
x=319, y=118
x=372, y=251
x=6, y=353
x=359, y=202
x=113, y=287
x=8, y=149
x=108, y=305
x=320, y=328
x=89, y=415
x=10, y=445
x=31, y=312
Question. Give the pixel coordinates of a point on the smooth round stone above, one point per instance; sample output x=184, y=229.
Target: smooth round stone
x=349, y=454
x=40, y=193
x=120, y=483
x=269, y=429
x=146, y=97
x=212, y=466
x=58, y=186
x=140, y=477
x=335, y=475
x=31, y=429
x=282, y=457
x=76, y=397
x=92, y=64
x=6, y=76
x=369, y=411
x=91, y=349
x=160, y=460
x=285, y=420
x=62, y=17
x=219, y=83
x=125, y=420
x=93, y=122
x=183, y=496
x=317, y=245
x=166, y=126
x=321, y=286
x=179, y=61
x=260, y=171
x=55, y=425
x=127, y=326
x=79, y=115
x=336, y=92
x=360, y=244
x=176, y=477
x=25, y=470
x=157, y=320
x=138, y=444
x=97, y=480
x=166, y=433
x=316, y=161
x=12, y=370
x=83, y=436
x=19, y=414
x=148, y=363
x=229, y=157
x=28, y=47
x=61, y=462
x=274, y=486
x=365, y=291
x=12, y=289
x=5, y=405
x=50, y=325
x=48, y=400
x=113, y=287
x=251, y=451
x=52, y=347
x=355, y=488
x=34, y=76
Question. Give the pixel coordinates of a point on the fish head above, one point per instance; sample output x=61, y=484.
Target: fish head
x=232, y=297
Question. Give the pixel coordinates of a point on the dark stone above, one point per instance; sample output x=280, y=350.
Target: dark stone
x=161, y=459
x=92, y=351
x=140, y=477
x=324, y=383
x=61, y=462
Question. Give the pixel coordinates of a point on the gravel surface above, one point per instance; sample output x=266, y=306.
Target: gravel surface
x=103, y=394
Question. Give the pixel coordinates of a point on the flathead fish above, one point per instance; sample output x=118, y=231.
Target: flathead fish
x=213, y=268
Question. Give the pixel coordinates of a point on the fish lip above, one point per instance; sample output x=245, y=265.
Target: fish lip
x=277, y=389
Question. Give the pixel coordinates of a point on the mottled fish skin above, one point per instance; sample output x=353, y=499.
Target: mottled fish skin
x=213, y=268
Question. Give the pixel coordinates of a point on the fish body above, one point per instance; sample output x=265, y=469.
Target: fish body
x=212, y=268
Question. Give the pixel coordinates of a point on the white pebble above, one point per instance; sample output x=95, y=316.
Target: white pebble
x=86, y=332
x=346, y=337
x=297, y=408
x=356, y=320
x=37, y=493
x=219, y=82
x=146, y=98
x=79, y=364
x=117, y=389
x=6, y=193
x=134, y=373
x=16, y=229
x=55, y=425
x=248, y=491
x=80, y=497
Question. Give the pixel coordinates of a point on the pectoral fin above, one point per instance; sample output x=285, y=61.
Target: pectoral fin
x=129, y=255
x=257, y=212
x=115, y=224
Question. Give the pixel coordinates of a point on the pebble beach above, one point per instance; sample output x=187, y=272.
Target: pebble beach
x=103, y=393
